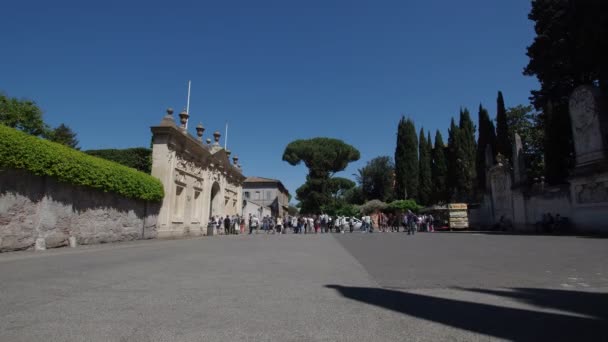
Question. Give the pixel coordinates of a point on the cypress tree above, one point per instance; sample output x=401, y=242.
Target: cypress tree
x=400, y=160
x=503, y=143
x=406, y=160
x=439, y=170
x=424, y=188
x=486, y=137
x=468, y=154
x=454, y=169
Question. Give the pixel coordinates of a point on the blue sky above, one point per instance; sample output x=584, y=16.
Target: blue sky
x=276, y=70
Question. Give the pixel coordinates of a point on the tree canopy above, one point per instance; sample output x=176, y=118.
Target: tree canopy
x=64, y=135
x=377, y=178
x=570, y=49
x=486, y=137
x=406, y=160
x=323, y=157
x=424, y=169
x=23, y=115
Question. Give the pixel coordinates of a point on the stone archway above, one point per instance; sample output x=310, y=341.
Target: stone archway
x=215, y=200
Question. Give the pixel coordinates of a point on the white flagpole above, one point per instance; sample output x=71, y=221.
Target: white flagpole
x=188, y=103
x=226, y=139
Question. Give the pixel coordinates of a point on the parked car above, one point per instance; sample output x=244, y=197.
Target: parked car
x=356, y=226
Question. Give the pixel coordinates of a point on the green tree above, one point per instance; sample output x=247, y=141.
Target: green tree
x=570, y=49
x=323, y=157
x=424, y=167
x=524, y=121
x=503, y=142
x=406, y=160
x=338, y=186
x=468, y=156
x=454, y=163
x=23, y=115
x=486, y=137
x=63, y=134
x=376, y=179
x=354, y=196
x=439, y=171
x=403, y=206
x=138, y=157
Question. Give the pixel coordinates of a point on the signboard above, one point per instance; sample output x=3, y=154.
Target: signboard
x=457, y=206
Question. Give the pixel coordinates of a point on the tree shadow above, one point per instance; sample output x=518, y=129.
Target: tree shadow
x=501, y=322
x=586, y=303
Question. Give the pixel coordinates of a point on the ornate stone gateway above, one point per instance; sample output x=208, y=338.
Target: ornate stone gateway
x=198, y=178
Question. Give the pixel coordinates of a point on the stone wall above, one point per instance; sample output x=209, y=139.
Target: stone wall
x=39, y=211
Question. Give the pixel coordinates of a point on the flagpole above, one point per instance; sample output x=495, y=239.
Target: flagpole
x=188, y=104
x=226, y=139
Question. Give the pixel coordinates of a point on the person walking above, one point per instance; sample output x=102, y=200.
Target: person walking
x=227, y=225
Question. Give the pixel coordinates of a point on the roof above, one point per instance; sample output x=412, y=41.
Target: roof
x=261, y=180
x=255, y=179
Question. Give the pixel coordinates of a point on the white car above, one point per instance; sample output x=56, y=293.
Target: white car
x=345, y=226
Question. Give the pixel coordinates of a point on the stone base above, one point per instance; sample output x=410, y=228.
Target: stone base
x=171, y=234
x=180, y=233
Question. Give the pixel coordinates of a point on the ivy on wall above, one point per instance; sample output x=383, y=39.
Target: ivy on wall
x=19, y=150
x=139, y=158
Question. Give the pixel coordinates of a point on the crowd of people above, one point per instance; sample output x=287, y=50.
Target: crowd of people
x=409, y=223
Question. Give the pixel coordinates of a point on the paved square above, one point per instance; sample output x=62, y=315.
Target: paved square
x=359, y=287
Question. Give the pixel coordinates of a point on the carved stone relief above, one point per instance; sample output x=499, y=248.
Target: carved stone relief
x=592, y=193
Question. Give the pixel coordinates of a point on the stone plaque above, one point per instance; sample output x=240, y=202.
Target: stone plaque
x=586, y=131
x=592, y=193
x=519, y=163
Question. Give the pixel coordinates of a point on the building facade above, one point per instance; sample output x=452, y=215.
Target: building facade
x=198, y=178
x=267, y=192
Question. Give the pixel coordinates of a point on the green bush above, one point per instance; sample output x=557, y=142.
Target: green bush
x=19, y=150
x=403, y=206
x=139, y=158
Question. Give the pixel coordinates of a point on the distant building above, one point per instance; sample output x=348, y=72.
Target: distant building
x=267, y=192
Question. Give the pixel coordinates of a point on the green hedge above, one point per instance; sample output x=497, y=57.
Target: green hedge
x=139, y=158
x=19, y=150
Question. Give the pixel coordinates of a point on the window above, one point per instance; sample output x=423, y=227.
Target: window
x=197, y=207
x=247, y=194
x=178, y=204
x=257, y=195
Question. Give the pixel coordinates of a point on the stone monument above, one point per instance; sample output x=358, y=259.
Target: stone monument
x=519, y=162
x=587, y=127
x=589, y=182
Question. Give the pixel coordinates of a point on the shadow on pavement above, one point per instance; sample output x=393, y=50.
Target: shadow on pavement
x=586, y=303
x=585, y=235
x=493, y=320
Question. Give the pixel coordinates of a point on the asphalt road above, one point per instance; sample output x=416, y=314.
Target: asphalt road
x=359, y=287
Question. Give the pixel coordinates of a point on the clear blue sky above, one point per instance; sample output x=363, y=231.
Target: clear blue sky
x=276, y=70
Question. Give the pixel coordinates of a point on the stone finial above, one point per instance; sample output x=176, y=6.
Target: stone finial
x=235, y=160
x=216, y=137
x=208, y=141
x=168, y=118
x=199, y=131
x=183, y=118
x=228, y=153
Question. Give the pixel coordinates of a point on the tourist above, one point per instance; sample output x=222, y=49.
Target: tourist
x=253, y=223
x=279, y=225
x=227, y=225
